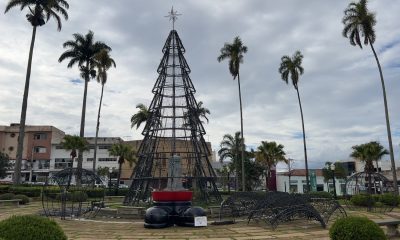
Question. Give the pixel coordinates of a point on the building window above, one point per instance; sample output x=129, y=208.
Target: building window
x=40, y=136
x=107, y=159
x=293, y=188
x=10, y=148
x=104, y=146
x=12, y=135
x=320, y=187
x=59, y=147
x=61, y=163
x=89, y=159
x=39, y=150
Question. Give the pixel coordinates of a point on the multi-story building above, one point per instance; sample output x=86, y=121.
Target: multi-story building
x=61, y=159
x=36, y=151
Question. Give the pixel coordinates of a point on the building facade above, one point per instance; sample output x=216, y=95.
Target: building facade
x=297, y=182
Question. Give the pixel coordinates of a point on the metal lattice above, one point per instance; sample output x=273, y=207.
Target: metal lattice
x=173, y=129
x=63, y=197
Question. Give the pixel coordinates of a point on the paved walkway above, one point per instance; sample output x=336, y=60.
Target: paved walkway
x=100, y=229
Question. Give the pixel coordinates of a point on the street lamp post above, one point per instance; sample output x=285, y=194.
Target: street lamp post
x=109, y=179
x=332, y=167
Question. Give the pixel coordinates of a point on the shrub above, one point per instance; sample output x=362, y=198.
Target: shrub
x=389, y=199
x=356, y=228
x=320, y=194
x=95, y=192
x=28, y=191
x=363, y=200
x=4, y=188
x=79, y=196
x=24, y=198
x=7, y=196
x=30, y=228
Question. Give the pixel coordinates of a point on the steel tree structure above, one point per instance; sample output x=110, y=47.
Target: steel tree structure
x=173, y=129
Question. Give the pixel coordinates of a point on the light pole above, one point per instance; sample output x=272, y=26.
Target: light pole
x=109, y=179
x=31, y=166
x=332, y=167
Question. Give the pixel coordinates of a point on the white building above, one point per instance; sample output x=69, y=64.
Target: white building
x=297, y=182
x=61, y=159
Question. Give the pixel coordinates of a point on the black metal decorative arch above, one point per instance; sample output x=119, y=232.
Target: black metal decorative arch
x=63, y=197
x=370, y=187
x=173, y=128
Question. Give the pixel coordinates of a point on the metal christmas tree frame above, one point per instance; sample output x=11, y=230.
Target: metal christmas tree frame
x=173, y=129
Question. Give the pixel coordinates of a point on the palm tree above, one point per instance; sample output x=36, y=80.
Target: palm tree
x=103, y=62
x=230, y=149
x=141, y=116
x=124, y=153
x=74, y=144
x=359, y=21
x=199, y=112
x=39, y=13
x=268, y=155
x=292, y=67
x=82, y=51
x=367, y=153
x=234, y=52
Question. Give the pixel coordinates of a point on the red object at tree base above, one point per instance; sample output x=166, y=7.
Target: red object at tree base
x=164, y=196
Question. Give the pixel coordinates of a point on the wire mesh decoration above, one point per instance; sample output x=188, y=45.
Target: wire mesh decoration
x=73, y=193
x=371, y=192
x=173, y=129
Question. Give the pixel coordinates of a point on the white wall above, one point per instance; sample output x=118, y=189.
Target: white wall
x=299, y=181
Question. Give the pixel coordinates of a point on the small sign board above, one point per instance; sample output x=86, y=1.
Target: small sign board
x=200, y=221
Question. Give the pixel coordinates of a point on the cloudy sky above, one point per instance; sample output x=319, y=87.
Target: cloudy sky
x=340, y=89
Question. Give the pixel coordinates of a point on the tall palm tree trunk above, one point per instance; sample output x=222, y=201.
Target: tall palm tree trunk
x=97, y=129
x=396, y=189
x=241, y=139
x=20, y=147
x=82, y=130
x=304, y=140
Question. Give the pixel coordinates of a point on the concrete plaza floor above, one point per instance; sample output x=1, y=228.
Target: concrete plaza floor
x=100, y=229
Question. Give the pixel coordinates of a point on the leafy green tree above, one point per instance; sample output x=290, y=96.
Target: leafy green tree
x=39, y=13
x=230, y=149
x=359, y=25
x=291, y=67
x=327, y=173
x=268, y=155
x=141, y=116
x=74, y=144
x=124, y=153
x=102, y=171
x=234, y=52
x=367, y=153
x=103, y=62
x=225, y=173
x=82, y=51
x=4, y=164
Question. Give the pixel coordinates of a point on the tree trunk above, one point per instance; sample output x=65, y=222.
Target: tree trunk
x=82, y=130
x=119, y=177
x=20, y=147
x=97, y=129
x=242, y=138
x=304, y=141
x=389, y=134
x=229, y=183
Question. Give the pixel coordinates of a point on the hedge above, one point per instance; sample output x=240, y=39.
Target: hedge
x=30, y=228
x=356, y=228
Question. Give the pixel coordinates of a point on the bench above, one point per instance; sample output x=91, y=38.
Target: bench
x=391, y=225
x=13, y=201
x=217, y=212
x=136, y=211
